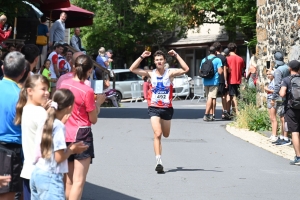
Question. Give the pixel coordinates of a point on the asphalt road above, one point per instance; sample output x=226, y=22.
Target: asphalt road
x=201, y=160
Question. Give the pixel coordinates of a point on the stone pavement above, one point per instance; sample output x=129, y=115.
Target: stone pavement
x=201, y=159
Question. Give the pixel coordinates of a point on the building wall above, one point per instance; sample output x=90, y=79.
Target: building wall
x=278, y=25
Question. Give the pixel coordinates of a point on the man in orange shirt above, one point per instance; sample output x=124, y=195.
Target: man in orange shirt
x=236, y=67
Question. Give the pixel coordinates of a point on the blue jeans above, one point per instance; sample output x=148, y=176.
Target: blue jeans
x=46, y=185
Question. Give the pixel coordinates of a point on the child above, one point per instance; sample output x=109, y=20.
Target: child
x=32, y=116
x=272, y=109
x=52, y=153
x=46, y=72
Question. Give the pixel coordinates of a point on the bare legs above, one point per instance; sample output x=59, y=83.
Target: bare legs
x=160, y=127
x=272, y=113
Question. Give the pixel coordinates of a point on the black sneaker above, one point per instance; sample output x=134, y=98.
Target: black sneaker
x=296, y=161
x=284, y=143
x=277, y=141
x=159, y=168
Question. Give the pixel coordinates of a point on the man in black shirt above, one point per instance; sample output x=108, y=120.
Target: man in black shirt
x=292, y=114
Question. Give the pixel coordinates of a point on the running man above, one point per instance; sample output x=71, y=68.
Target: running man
x=160, y=96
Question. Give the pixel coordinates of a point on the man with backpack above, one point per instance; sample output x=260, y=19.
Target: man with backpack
x=281, y=71
x=290, y=88
x=210, y=70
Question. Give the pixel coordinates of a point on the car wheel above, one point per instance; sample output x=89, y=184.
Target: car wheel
x=118, y=96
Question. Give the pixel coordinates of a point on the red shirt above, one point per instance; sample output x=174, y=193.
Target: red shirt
x=3, y=34
x=235, y=64
x=84, y=103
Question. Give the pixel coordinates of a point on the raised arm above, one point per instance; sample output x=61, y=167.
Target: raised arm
x=134, y=67
x=185, y=68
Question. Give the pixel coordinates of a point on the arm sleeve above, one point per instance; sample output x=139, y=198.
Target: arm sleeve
x=90, y=101
x=54, y=59
x=4, y=35
x=59, y=141
x=52, y=29
x=74, y=43
x=277, y=82
x=61, y=64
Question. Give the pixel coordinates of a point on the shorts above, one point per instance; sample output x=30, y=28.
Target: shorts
x=234, y=90
x=222, y=89
x=53, y=84
x=269, y=106
x=292, y=120
x=84, y=134
x=163, y=113
x=46, y=185
x=211, y=91
x=11, y=164
x=280, y=109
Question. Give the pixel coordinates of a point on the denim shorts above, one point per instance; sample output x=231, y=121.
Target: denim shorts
x=46, y=185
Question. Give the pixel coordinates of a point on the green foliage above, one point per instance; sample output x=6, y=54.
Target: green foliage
x=12, y=9
x=250, y=116
x=235, y=15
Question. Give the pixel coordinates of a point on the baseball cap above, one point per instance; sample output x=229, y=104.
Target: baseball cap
x=278, y=58
x=294, y=65
x=226, y=51
x=110, y=51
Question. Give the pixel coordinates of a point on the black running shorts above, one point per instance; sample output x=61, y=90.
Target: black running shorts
x=292, y=120
x=163, y=113
x=234, y=90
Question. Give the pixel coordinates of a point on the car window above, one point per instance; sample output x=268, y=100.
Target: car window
x=127, y=76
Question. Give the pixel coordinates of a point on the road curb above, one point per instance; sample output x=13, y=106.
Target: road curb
x=261, y=141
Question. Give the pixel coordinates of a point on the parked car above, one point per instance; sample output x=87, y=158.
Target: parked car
x=124, y=78
x=181, y=85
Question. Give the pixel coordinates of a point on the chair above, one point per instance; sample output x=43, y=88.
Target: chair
x=136, y=91
x=198, y=88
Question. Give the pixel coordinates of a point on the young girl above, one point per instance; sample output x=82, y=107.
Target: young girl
x=272, y=109
x=31, y=115
x=46, y=72
x=51, y=151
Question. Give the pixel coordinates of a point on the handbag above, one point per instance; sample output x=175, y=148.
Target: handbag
x=6, y=156
x=41, y=40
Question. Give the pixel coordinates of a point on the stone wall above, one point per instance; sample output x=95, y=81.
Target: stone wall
x=278, y=29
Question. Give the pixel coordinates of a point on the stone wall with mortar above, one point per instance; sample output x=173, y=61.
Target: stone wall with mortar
x=278, y=29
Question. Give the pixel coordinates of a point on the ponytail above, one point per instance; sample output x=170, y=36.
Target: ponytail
x=21, y=103
x=83, y=64
x=46, y=142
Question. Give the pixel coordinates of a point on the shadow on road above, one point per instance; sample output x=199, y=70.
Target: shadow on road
x=95, y=192
x=190, y=170
x=142, y=113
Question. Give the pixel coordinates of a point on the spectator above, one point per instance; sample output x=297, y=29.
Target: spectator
x=292, y=115
x=211, y=84
x=281, y=71
x=53, y=57
x=76, y=41
x=42, y=30
x=10, y=134
x=31, y=53
x=4, y=32
x=109, y=55
x=69, y=57
x=252, y=72
x=78, y=127
x=101, y=59
x=63, y=65
x=236, y=67
x=57, y=31
x=19, y=47
x=223, y=86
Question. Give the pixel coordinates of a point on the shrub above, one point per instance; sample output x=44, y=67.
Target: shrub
x=250, y=117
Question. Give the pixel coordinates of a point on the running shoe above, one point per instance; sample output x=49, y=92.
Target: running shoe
x=277, y=141
x=284, y=143
x=159, y=168
x=296, y=161
x=273, y=138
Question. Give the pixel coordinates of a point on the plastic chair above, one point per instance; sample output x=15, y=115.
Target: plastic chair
x=198, y=88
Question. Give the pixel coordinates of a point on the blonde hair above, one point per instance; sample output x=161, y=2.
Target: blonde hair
x=64, y=98
x=101, y=51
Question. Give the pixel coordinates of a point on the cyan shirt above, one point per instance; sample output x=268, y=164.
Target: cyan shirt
x=9, y=132
x=217, y=64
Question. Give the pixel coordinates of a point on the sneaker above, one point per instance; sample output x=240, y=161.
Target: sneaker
x=273, y=138
x=213, y=118
x=296, y=161
x=277, y=141
x=159, y=168
x=284, y=143
x=207, y=117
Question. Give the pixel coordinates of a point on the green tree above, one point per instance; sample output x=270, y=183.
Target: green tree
x=13, y=9
x=180, y=15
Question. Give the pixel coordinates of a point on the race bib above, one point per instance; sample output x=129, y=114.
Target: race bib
x=161, y=96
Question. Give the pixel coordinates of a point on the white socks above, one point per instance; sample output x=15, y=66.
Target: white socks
x=158, y=159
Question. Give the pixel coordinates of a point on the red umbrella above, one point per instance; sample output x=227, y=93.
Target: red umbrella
x=52, y=4
x=77, y=16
